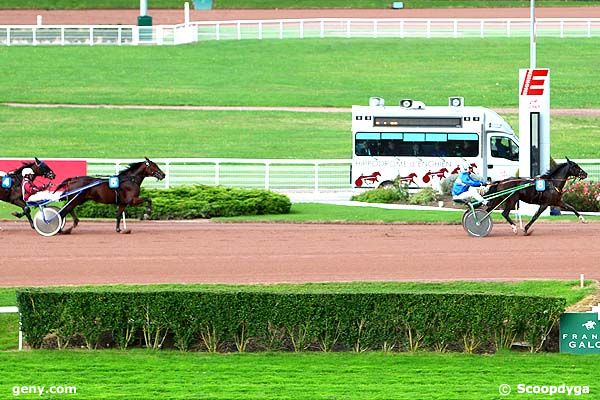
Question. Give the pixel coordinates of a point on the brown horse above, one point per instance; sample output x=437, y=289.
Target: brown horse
x=554, y=182
x=14, y=194
x=98, y=190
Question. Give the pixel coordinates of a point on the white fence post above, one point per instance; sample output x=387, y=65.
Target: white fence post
x=562, y=29
x=508, y=28
x=348, y=31
x=34, y=33
x=217, y=173
x=91, y=35
x=62, y=36
x=218, y=31
x=239, y=30
x=267, y=175
x=375, y=28
x=428, y=29
x=316, y=177
x=322, y=29
x=168, y=175
x=402, y=29
x=280, y=29
x=302, y=29
x=8, y=36
x=455, y=28
x=481, y=29
x=589, y=33
x=260, y=30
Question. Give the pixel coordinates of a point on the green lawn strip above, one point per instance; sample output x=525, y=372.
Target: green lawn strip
x=567, y=289
x=372, y=375
x=329, y=213
x=267, y=4
x=310, y=72
x=96, y=133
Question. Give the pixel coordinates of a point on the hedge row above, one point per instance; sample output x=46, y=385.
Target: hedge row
x=250, y=321
x=198, y=201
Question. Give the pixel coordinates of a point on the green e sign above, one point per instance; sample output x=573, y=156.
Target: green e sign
x=580, y=333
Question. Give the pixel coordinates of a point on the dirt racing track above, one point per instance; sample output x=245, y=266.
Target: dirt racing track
x=189, y=252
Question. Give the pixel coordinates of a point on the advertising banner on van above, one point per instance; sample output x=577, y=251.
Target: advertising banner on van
x=62, y=168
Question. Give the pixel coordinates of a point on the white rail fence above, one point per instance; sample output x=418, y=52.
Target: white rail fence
x=91, y=35
x=287, y=176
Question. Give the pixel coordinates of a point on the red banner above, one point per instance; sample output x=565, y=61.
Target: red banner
x=62, y=168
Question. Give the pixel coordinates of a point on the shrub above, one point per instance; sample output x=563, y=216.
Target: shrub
x=425, y=196
x=394, y=194
x=584, y=196
x=247, y=320
x=198, y=201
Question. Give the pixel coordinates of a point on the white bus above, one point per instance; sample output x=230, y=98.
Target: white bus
x=422, y=145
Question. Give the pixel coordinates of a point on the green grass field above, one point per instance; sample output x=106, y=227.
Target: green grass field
x=232, y=4
x=101, y=133
x=309, y=72
x=143, y=374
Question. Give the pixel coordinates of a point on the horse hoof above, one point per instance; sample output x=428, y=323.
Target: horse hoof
x=126, y=232
x=145, y=217
x=527, y=233
x=582, y=220
x=514, y=229
x=66, y=231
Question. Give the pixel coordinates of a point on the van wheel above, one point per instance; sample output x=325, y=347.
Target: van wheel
x=386, y=185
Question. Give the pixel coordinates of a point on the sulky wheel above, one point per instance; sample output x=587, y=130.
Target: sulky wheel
x=47, y=221
x=478, y=223
x=64, y=220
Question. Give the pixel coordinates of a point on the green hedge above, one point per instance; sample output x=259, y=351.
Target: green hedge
x=198, y=201
x=258, y=321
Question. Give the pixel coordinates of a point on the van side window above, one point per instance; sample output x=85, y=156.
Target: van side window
x=503, y=147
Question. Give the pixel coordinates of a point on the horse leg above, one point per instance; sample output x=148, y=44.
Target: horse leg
x=508, y=207
x=139, y=200
x=119, y=216
x=569, y=207
x=26, y=212
x=536, y=216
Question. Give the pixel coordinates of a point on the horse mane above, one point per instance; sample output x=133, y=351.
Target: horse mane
x=131, y=167
x=23, y=166
x=554, y=170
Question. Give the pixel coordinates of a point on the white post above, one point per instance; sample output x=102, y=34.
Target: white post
x=428, y=28
x=508, y=28
x=217, y=174
x=581, y=281
x=562, y=29
x=455, y=28
x=8, y=36
x=91, y=35
x=168, y=173
x=186, y=13
x=260, y=30
x=239, y=30
x=143, y=7
x=316, y=177
x=267, y=177
x=119, y=36
x=34, y=32
x=375, y=28
x=39, y=20
x=280, y=29
x=218, y=31
x=348, y=31
x=532, y=55
x=322, y=26
x=481, y=28
x=302, y=29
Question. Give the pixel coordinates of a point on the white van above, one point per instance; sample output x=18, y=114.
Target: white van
x=422, y=145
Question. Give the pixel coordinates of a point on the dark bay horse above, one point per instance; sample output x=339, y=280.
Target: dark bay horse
x=127, y=193
x=14, y=194
x=555, y=181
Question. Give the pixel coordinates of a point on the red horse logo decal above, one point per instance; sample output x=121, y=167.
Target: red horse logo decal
x=457, y=169
x=440, y=174
x=410, y=178
x=367, y=179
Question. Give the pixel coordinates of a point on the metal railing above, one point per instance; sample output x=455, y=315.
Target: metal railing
x=282, y=175
x=91, y=35
x=278, y=175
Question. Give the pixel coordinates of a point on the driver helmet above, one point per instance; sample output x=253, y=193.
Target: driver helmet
x=27, y=171
x=464, y=166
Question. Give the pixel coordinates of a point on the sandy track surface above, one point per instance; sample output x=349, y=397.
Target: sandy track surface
x=179, y=252
x=129, y=17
